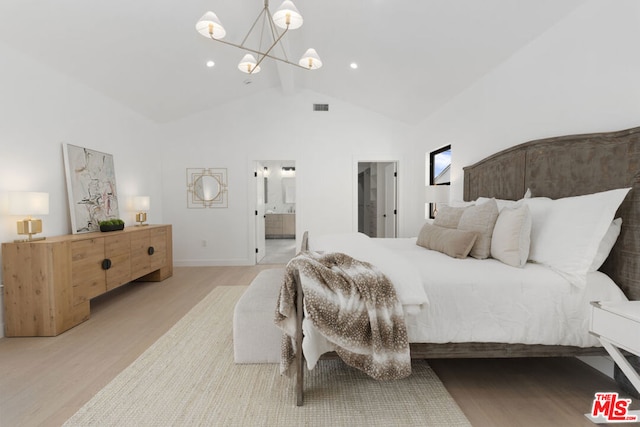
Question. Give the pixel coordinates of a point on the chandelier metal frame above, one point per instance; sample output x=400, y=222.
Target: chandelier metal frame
x=286, y=17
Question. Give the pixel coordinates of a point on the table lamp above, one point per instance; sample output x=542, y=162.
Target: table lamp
x=29, y=203
x=436, y=194
x=141, y=205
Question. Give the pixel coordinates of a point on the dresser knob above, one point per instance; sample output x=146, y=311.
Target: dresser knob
x=106, y=264
x=150, y=251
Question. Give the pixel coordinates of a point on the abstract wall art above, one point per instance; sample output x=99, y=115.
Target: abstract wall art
x=91, y=187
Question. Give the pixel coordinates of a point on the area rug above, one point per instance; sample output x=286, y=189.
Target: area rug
x=188, y=378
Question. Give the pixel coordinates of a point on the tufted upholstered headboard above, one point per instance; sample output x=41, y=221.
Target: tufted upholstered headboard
x=573, y=165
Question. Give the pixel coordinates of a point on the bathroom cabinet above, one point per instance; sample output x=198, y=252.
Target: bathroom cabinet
x=280, y=226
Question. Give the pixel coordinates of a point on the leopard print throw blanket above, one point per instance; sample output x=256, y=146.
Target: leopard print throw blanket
x=354, y=306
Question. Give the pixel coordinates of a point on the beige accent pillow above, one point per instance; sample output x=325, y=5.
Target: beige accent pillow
x=448, y=216
x=512, y=236
x=481, y=219
x=455, y=243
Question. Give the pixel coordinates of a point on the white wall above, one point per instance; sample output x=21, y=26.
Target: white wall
x=581, y=76
x=269, y=126
x=39, y=110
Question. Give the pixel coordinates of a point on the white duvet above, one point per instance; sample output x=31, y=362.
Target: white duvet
x=405, y=277
x=472, y=300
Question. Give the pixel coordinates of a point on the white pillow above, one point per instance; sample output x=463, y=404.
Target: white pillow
x=606, y=244
x=566, y=233
x=512, y=236
x=460, y=203
x=502, y=203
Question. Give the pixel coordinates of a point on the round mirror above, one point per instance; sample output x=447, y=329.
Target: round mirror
x=207, y=188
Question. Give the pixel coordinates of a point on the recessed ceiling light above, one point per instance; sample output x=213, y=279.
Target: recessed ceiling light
x=353, y=65
x=210, y=64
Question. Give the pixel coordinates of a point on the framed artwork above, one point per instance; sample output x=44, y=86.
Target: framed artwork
x=206, y=188
x=439, y=170
x=91, y=188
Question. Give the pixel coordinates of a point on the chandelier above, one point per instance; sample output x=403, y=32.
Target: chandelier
x=286, y=17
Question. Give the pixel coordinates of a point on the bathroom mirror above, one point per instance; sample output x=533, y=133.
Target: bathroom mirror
x=206, y=188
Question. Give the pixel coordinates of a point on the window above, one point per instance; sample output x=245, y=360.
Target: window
x=439, y=170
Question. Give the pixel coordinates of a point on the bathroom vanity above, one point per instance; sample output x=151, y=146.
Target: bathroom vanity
x=280, y=225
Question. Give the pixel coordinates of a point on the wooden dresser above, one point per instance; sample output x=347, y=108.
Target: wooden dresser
x=48, y=283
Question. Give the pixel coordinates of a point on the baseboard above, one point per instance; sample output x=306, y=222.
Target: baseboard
x=212, y=262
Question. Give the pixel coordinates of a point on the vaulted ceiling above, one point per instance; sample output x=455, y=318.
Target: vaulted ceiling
x=413, y=55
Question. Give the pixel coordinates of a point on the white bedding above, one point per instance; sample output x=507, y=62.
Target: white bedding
x=472, y=300
x=487, y=301
x=405, y=277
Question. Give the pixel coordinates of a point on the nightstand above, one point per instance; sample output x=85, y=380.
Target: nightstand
x=617, y=325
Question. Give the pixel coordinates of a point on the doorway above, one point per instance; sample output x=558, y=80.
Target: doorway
x=377, y=199
x=275, y=211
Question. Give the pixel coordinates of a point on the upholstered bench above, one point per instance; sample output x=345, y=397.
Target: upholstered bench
x=256, y=339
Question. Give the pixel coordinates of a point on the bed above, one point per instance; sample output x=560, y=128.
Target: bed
x=559, y=169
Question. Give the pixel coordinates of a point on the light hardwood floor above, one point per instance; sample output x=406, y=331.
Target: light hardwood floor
x=43, y=381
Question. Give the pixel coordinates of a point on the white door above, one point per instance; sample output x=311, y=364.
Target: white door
x=260, y=213
x=366, y=202
x=390, y=188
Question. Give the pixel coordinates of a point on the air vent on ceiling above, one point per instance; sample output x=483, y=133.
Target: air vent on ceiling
x=320, y=107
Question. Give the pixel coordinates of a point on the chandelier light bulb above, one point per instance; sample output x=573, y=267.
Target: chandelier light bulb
x=248, y=64
x=310, y=60
x=209, y=26
x=287, y=16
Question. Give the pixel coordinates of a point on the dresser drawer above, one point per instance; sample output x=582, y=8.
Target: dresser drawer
x=618, y=323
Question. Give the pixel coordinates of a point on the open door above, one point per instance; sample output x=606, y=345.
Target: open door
x=377, y=199
x=390, y=205
x=260, y=213
x=365, y=206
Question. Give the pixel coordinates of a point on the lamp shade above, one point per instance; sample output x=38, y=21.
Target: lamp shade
x=209, y=26
x=437, y=193
x=248, y=64
x=287, y=16
x=141, y=203
x=28, y=203
x=310, y=60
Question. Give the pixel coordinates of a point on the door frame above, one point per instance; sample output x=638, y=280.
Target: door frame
x=252, y=203
x=260, y=200
x=377, y=159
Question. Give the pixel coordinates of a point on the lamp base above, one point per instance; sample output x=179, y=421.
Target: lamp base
x=30, y=239
x=30, y=226
x=141, y=217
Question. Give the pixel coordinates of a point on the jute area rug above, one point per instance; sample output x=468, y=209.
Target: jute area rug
x=188, y=377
